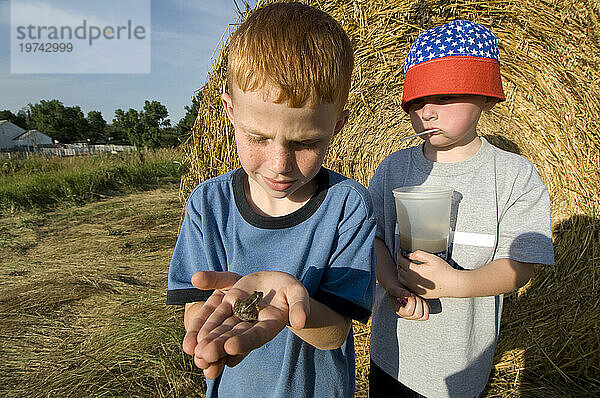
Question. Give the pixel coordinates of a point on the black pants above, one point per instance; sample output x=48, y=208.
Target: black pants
x=383, y=385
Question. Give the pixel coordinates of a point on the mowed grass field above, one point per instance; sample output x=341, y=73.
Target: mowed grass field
x=85, y=245
x=82, y=292
x=41, y=182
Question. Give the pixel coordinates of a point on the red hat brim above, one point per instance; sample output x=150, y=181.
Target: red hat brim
x=453, y=75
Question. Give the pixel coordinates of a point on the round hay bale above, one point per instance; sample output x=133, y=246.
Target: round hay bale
x=549, y=342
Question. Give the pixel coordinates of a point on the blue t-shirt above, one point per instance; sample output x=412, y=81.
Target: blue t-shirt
x=327, y=245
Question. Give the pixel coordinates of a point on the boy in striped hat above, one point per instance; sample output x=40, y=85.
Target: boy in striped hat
x=500, y=225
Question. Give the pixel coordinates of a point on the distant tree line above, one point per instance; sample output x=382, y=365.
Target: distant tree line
x=148, y=127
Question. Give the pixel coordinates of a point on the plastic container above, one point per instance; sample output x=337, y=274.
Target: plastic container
x=423, y=214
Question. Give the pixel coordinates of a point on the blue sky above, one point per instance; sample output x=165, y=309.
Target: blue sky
x=184, y=35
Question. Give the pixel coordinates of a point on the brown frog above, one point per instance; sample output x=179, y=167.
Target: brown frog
x=247, y=310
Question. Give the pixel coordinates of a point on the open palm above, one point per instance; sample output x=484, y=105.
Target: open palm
x=225, y=339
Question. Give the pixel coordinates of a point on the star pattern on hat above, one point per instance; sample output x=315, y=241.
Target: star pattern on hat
x=456, y=38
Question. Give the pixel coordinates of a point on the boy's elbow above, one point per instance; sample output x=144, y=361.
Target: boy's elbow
x=524, y=271
x=336, y=336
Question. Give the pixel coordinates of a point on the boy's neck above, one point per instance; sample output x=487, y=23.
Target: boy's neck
x=453, y=154
x=268, y=206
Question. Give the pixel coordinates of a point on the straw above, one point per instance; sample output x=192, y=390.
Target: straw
x=421, y=133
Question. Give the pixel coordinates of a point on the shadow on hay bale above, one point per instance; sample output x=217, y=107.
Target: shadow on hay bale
x=552, y=325
x=550, y=336
x=550, y=63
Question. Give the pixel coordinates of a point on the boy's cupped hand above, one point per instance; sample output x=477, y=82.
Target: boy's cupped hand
x=221, y=337
x=427, y=275
x=405, y=303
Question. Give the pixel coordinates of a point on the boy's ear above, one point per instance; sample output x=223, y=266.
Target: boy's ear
x=489, y=103
x=339, y=125
x=228, y=105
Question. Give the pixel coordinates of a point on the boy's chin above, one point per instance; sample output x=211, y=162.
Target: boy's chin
x=273, y=192
x=295, y=191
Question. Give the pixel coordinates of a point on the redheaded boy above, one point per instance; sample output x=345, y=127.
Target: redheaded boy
x=282, y=224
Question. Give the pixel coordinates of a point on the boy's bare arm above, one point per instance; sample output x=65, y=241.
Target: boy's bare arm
x=435, y=278
x=386, y=269
x=325, y=329
x=497, y=277
x=404, y=303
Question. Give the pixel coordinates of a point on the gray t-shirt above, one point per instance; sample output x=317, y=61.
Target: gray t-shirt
x=500, y=209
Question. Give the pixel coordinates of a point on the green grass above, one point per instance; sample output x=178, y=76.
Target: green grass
x=42, y=182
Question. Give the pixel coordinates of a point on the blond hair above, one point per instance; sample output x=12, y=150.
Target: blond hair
x=297, y=50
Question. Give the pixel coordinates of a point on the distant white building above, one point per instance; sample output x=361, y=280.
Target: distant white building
x=14, y=137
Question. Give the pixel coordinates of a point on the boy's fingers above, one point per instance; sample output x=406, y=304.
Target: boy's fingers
x=217, y=318
x=425, y=311
x=299, y=306
x=205, y=280
x=214, y=369
x=408, y=310
x=255, y=337
x=189, y=342
x=211, y=347
x=196, y=323
x=421, y=309
x=200, y=362
x=234, y=360
x=298, y=315
x=418, y=308
x=420, y=256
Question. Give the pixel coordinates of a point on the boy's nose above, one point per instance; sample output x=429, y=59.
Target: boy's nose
x=281, y=159
x=428, y=112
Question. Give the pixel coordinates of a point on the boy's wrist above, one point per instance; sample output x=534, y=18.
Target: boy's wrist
x=462, y=284
x=387, y=286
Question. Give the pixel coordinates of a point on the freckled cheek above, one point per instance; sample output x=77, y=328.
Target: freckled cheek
x=250, y=156
x=310, y=161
